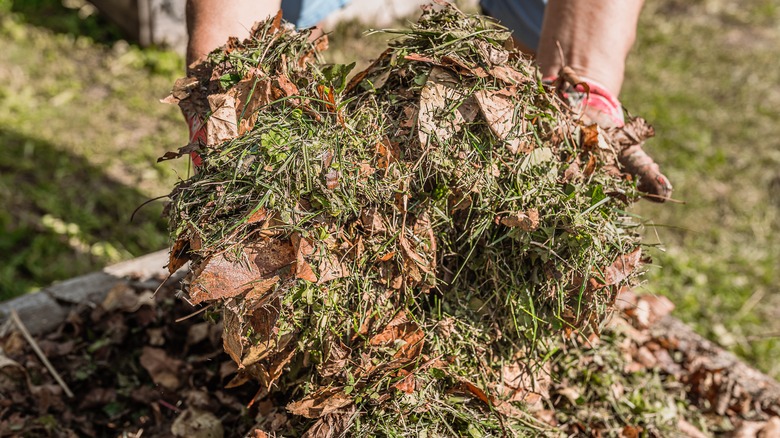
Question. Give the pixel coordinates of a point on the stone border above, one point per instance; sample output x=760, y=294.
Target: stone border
x=45, y=309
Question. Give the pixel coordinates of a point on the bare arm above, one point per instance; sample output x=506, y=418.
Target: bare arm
x=596, y=36
x=211, y=22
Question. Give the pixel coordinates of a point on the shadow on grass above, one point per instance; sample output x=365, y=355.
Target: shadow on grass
x=52, y=15
x=64, y=217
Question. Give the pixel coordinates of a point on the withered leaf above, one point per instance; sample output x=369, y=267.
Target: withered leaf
x=407, y=384
x=519, y=383
x=303, y=248
x=410, y=253
x=622, y=267
x=332, y=425
x=332, y=179
x=508, y=74
x=413, y=342
x=197, y=423
x=233, y=333
x=286, y=87
x=372, y=222
x=250, y=94
x=221, y=126
x=220, y=277
x=331, y=268
x=387, y=153
x=163, y=369
x=178, y=255
x=181, y=90
x=525, y=220
x=502, y=118
x=434, y=120
x=257, y=352
x=260, y=288
x=336, y=357
x=320, y=403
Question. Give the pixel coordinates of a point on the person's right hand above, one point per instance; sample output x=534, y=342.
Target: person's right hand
x=597, y=105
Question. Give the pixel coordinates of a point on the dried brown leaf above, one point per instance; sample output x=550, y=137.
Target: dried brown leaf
x=219, y=277
x=330, y=426
x=336, y=357
x=221, y=125
x=178, y=255
x=197, y=423
x=250, y=94
x=331, y=268
x=509, y=75
x=519, y=383
x=163, y=369
x=407, y=384
x=525, y=220
x=435, y=122
x=320, y=403
x=622, y=267
x=503, y=119
x=232, y=335
x=410, y=253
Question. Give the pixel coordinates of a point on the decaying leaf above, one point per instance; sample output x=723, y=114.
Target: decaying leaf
x=318, y=404
x=525, y=220
x=164, y=369
x=622, y=267
x=222, y=277
x=250, y=94
x=178, y=254
x=331, y=268
x=197, y=423
x=524, y=384
x=221, y=125
x=437, y=119
x=503, y=119
x=335, y=359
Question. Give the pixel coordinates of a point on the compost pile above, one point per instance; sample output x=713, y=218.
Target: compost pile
x=403, y=250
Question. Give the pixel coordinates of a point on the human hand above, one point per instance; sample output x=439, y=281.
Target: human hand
x=597, y=105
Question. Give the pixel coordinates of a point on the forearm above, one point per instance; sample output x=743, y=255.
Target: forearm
x=595, y=35
x=211, y=22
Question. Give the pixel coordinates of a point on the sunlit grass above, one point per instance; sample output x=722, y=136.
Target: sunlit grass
x=704, y=73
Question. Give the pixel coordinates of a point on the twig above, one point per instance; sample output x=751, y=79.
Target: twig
x=39, y=352
x=197, y=312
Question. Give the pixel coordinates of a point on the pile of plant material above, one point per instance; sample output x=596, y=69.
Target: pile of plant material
x=401, y=251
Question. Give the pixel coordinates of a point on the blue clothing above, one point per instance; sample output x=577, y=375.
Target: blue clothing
x=307, y=13
x=522, y=17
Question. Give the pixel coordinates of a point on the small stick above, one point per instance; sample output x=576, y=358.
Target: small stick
x=199, y=311
x=39, y=352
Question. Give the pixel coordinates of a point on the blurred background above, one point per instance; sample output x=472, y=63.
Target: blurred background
x=81, y=129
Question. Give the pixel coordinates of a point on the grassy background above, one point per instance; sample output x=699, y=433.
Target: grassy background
x=81, y=128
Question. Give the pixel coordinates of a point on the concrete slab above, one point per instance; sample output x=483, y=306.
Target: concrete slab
x=44, y=310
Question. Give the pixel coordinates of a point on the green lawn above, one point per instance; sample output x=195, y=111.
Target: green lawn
x=705, y=74
x=81, y=129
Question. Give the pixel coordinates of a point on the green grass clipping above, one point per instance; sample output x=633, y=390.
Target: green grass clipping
x=399, y=251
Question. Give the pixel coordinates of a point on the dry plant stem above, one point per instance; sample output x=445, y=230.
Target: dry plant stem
x=39, y=353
